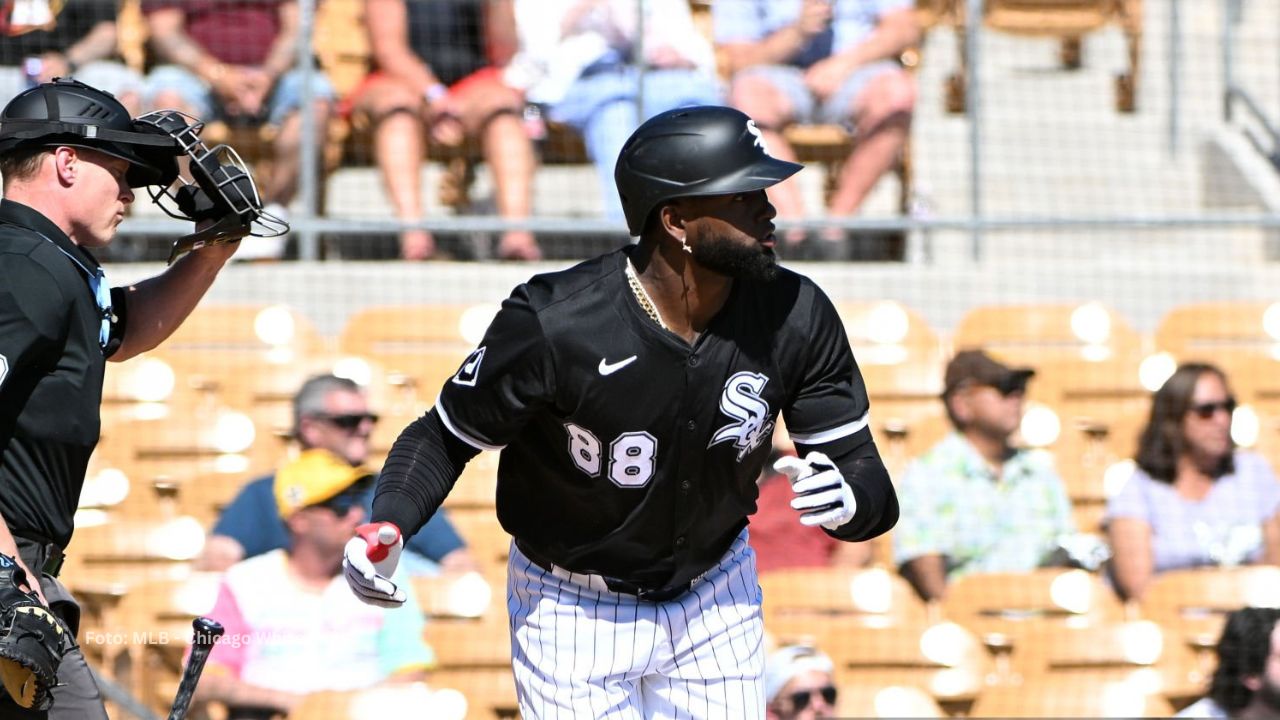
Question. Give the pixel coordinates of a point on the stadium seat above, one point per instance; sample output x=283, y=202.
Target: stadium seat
x=1192, y=604
x=458, y=596
x=489, y=543
x=1086, y=356
x=1093, y=459
x=474, y=657
x=221, y=441
x=1005, y=609
x=886, y=701
x=1067, y=20
x=902, y=360
x=1208, y=330
x=874, y=595
x=1241, y=337
x=383, y=701
x=830, y=145
x=1034, y=333
x=1000, y=602
x=1138, y=651
x=943, y=659
x=1075, y=696
x=230, y=351
x=424, y=343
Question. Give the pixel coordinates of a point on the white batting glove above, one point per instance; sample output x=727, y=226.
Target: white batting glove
x=370, y=559
x=822, y=495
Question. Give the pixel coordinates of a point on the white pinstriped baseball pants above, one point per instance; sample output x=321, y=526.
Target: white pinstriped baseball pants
x=580, y=650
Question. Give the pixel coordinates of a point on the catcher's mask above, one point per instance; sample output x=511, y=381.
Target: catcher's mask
x=212, y=184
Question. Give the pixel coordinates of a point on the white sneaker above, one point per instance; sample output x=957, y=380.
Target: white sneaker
x=271, y=248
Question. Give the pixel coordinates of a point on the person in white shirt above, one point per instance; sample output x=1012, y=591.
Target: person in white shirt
x=583, y=61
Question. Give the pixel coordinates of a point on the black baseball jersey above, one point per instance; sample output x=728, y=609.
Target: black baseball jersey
x=627, y=452
x=51, y=368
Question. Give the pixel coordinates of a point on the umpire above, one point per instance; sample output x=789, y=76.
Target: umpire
x=70, y=156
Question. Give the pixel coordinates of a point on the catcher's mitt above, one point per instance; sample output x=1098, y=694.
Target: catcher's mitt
x=32, y=640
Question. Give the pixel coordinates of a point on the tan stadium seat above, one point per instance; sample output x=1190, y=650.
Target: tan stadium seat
x=1066, y=697
x=872, y=594
x=1066, y=20
x=1192, y=604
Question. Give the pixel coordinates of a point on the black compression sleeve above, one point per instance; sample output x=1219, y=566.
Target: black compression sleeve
x=423, y=465
x=859, y=461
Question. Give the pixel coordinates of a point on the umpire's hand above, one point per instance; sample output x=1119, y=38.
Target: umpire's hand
x=822, y=495
x=370, y=560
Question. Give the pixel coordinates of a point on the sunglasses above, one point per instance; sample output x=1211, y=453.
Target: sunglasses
x=800, y=700
x=1205, y=411
x=349, y=421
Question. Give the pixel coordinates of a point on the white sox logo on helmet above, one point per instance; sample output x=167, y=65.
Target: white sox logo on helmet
x=741, y=401
x=751, y=128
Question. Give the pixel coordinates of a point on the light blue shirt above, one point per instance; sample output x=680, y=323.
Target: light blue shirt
x=953, y=505
x=1188, y=533
x=745, y=21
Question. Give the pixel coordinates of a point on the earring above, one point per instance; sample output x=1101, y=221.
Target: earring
x=684, y=244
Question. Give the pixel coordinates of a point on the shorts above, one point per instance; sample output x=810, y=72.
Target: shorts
x=285, y=97
x=348, y=103
x=790, y=81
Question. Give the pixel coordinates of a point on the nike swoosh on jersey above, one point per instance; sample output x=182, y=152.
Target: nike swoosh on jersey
x=607, y=368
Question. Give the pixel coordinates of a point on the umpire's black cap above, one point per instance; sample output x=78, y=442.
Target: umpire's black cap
x=68, y=112
x=701, y=150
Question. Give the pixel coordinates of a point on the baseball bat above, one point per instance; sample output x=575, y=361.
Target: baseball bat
x=207, y=633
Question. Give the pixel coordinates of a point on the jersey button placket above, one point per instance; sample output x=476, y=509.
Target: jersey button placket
x=693, y=360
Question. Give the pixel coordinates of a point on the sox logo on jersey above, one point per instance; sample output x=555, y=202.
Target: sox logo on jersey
x=741, y=401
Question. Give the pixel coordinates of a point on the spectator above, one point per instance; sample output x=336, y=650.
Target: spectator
x=288, y=612
x=823, y=61
x=1246, y=683
x=774, y=537
x=44, y=40
x=974, y=502
x=330, y=413
x=438, y=65
x=235, y=61
x=798, y=684
x=1193, y=498
x=579, y=59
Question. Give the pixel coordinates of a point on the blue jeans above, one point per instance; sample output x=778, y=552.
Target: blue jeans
x=602, y=106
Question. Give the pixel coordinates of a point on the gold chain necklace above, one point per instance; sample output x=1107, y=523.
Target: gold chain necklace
x=642, y=296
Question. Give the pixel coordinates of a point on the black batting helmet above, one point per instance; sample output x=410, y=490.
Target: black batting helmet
x=68, y=112
x=703, y=150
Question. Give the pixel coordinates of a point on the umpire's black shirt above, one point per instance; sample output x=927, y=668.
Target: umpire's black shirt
x=51, y=366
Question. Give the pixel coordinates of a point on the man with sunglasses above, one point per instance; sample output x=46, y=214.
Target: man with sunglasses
x=798, y=684
x=71, y=156
x=974, y=502
x=288, y=613
x=330, y=413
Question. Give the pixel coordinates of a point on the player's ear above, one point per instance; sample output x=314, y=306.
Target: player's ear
x=672, y=220
x=66, y=161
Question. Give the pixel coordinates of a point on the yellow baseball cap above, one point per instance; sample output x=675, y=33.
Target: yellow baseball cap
x=313, y=477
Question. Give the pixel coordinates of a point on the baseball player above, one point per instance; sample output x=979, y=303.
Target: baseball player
x=633, y=397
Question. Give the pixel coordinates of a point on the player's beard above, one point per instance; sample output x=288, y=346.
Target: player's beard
x=736, y=259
